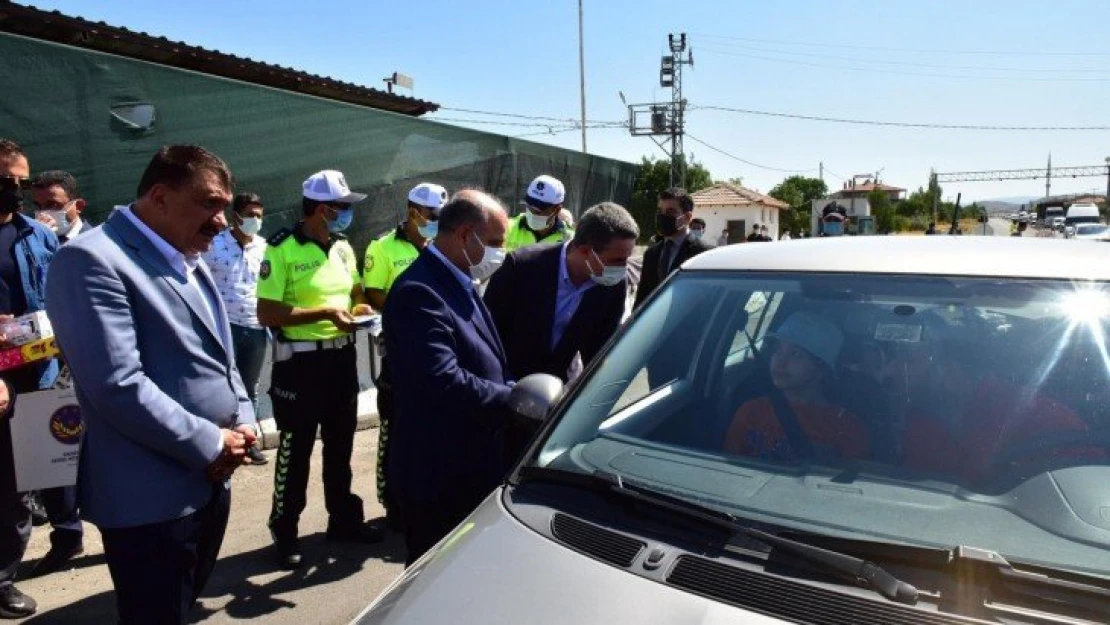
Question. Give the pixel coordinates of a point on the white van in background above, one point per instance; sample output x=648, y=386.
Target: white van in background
x=1084, y=213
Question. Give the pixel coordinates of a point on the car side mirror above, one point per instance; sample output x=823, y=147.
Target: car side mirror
x=534, y=395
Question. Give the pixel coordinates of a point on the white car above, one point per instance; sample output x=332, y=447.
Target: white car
x=838, y=430
x=1098, y=232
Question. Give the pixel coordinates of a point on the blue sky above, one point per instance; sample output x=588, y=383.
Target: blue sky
x=992, y=62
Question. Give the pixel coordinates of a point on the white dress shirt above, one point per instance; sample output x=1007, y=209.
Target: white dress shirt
x=235, y=270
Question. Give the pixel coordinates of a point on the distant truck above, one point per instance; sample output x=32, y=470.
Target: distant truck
x=1051, y=214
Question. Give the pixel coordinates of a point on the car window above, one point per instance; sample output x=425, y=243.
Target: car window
x=729, y=387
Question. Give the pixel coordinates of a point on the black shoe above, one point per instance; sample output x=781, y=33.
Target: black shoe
x=55, y=559
x=14, y=604
x=38, y=511
x=361, y=533
x=289, y=555
x=256, y=456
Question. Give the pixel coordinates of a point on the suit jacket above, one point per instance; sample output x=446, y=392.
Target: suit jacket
x=85, y=227
x=649, y=275
x=449, y=383
x=521, y=297
x=154, y=380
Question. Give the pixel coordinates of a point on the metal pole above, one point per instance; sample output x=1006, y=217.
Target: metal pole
x=936, y=196
x=582, y=73
x=821, y=170
x=1107, y=202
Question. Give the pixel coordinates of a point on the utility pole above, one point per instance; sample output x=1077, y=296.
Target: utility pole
x=821, y=170
x=933, y=186
x=582, y=73
x=680, y=55
x=1048, y=178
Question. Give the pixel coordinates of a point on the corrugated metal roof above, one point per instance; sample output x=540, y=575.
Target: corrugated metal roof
x=729, y=194
x=75, y=31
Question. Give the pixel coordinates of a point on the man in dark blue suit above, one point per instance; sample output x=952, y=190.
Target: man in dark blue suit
x=450, y=380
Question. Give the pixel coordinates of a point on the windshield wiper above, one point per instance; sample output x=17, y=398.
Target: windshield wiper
x=864, y=572
x=1092, y=594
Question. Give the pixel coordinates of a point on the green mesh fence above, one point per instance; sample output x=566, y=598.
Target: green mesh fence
x=83, y=111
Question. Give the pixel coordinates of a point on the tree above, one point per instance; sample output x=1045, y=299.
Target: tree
x=652, y=178
x=886, y=217
x=799, y=192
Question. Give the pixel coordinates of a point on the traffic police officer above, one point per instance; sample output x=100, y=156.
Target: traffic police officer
x=309, y=289
x=541, y=221
x=386, y=258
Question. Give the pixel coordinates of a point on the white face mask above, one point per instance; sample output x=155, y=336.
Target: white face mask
x=250, y=226
x=62, y=224
x=492, y=257
x=537, y=222
x=610, y=276
x=697, y=234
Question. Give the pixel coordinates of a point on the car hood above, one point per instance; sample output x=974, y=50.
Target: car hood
x=493, y=570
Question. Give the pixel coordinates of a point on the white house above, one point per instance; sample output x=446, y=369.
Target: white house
x=726, y=205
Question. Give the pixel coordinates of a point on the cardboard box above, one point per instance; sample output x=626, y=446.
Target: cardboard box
x=32, y=339
x=47, y=429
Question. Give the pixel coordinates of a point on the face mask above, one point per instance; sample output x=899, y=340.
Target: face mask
x=429, y=230
x=11, y=201
x=697, y=234
x=492, y=257
x=610, y=276
x=834, y=229
x=667, y=225
x=250, y=226
x=536, y=222
x=62, y=225
x=342, y=221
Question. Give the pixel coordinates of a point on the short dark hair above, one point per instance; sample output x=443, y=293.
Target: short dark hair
x=685, y=202
x=175, y=165
x=602, y=223
x=459, y=212
x=243, y=200
x=697, y=222
x=9, y=148
x=59, y=178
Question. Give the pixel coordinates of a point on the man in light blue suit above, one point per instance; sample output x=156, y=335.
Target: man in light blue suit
x=167, y=419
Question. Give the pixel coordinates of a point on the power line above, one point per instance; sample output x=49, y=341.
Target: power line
x=527, y=117
x=899, y=72
x=824, y=45
x=865, y=122
x=979, y=68
x=554, y=130
x=747, y=162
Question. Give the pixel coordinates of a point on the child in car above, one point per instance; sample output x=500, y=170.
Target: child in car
x=803, y=357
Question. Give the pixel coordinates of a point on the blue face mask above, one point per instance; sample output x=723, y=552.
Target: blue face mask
x=429, y=230
x=342, y=221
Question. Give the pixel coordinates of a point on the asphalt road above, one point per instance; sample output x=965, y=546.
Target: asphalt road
x=338, y=581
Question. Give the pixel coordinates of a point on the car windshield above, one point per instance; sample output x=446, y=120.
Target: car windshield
x=1091, y=229
x=926, y=410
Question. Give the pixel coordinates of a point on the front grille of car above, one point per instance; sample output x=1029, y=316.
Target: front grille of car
x=596, y=541
x=795, y=601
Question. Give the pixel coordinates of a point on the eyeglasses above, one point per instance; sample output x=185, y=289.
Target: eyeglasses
x=16, y=183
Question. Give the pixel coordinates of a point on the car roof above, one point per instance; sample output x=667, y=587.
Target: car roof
x=945, y=255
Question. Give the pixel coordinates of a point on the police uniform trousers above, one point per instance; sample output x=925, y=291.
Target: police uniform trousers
x=386, y=411
x=315, y=391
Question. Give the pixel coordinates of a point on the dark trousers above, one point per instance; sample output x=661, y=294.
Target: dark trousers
x=15, y=507
x=159, y=570
x=250, y=353
x=61, y=509
x=313, y=391
x=385, y=419
x=426, y=523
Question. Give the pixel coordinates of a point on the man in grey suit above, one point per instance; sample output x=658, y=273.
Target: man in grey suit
x=167, y=419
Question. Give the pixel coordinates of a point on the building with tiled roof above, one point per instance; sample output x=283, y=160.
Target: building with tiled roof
x=731, y=207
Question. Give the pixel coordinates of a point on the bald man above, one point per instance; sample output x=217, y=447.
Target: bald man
x=450, y=377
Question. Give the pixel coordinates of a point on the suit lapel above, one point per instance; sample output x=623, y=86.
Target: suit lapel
x=479, y=315
x=149, y=254
x=547, y=296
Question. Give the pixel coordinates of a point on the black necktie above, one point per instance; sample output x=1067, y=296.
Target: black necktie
x=666, y=258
